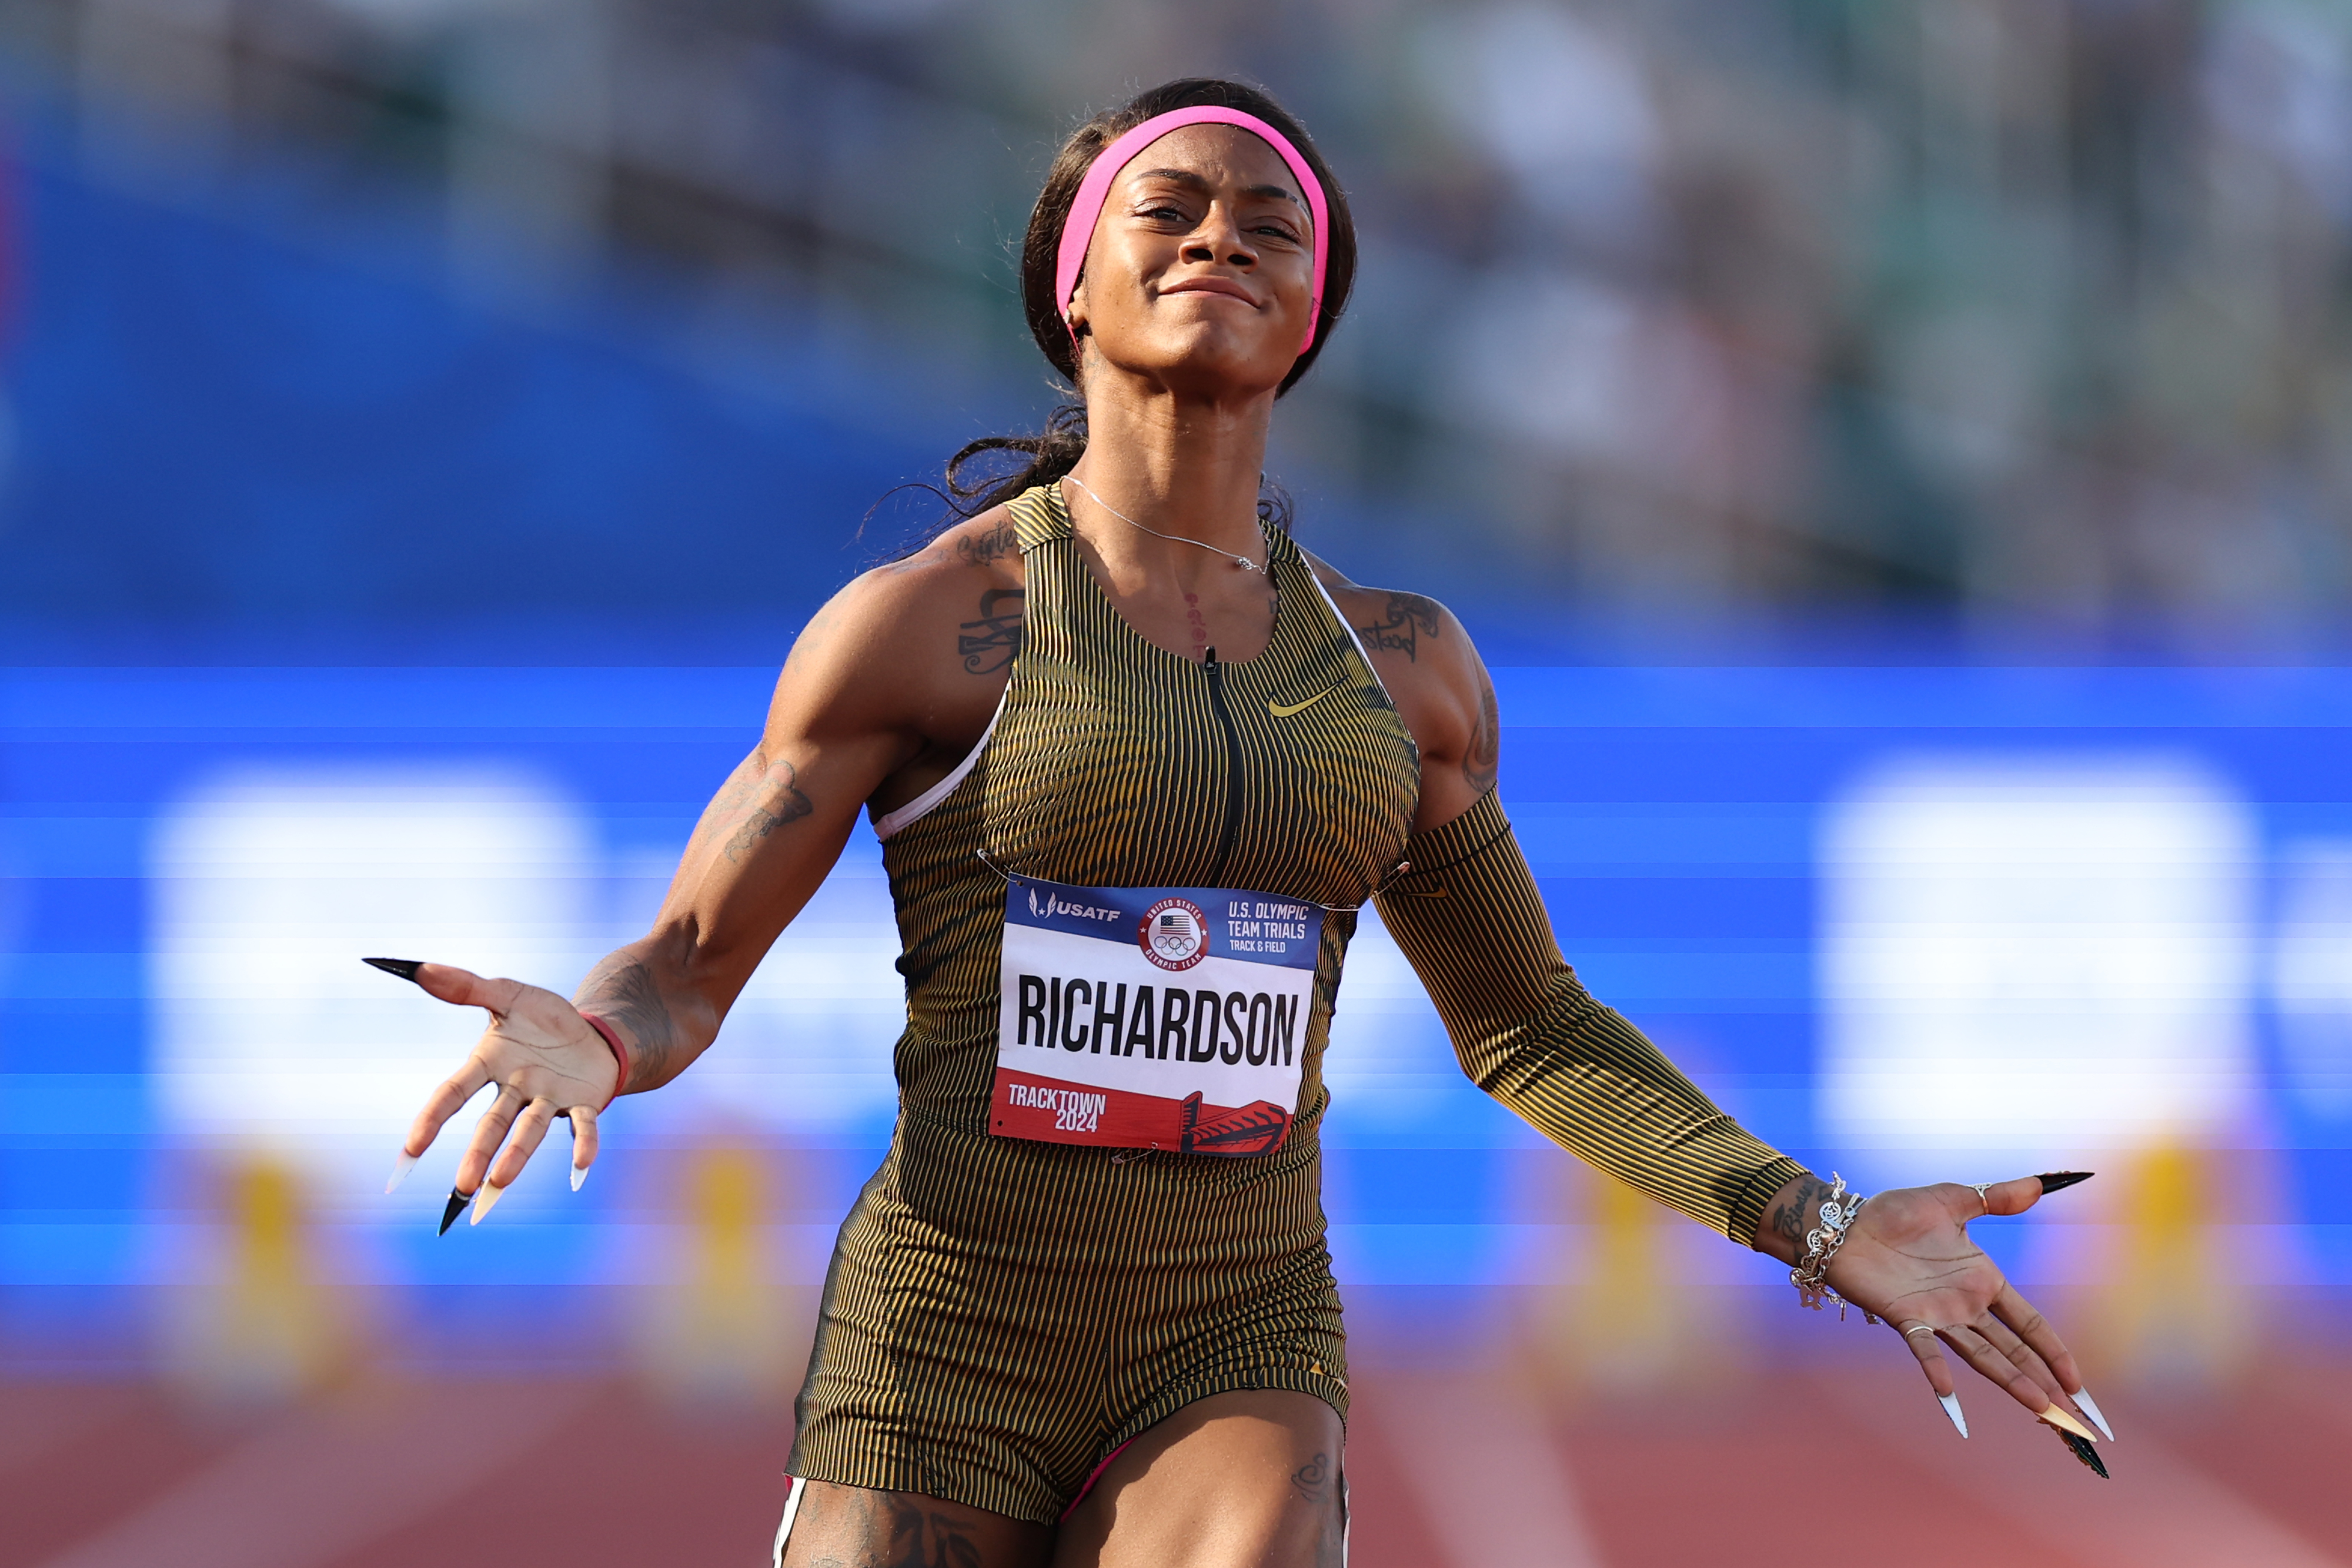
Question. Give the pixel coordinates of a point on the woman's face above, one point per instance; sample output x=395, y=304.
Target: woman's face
x=1202, y=266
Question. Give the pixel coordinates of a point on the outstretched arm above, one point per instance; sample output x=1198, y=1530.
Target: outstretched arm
x=1468, y=915
x=877, y=697
x=1469, y=918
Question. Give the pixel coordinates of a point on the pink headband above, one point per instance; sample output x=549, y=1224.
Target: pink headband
x=1078, y=228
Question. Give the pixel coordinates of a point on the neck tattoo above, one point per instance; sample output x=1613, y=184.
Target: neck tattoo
x=1240, y=560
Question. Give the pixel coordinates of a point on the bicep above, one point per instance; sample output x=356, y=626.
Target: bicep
x=1461, y=762
x=771, y=833
x=1441, y=688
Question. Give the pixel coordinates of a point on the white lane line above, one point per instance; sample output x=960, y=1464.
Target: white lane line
x=2159, y=1512
x=323, y=1482
x=1489, y=1476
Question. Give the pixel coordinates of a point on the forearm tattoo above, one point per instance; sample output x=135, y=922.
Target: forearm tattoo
x=1794, y=1215
x=989, y=643
x=622, y=992
x=1409, y=617
x=763, y=804
x=1312, y=1479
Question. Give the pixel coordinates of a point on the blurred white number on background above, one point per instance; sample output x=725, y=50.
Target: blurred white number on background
x=2020, y=950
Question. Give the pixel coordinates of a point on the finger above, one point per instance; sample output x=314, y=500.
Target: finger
x=2034, y=1329
x=1979, y=1353
x=583, y=1143
x=466, y=988
x=2012, y=1197
x=445, y=1103
x=522, y=1141
x=2021, y=1356
x=1929, y=1350
x=488, y=1133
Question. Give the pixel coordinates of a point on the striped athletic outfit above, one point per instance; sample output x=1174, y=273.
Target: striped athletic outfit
x=999, y=1313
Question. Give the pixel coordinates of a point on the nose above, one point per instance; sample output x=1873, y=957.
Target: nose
x=1219, y=238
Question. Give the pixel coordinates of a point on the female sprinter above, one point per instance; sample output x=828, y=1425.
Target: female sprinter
x=1135, y=759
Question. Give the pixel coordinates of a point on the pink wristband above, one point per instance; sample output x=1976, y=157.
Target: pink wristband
x=620, y=1054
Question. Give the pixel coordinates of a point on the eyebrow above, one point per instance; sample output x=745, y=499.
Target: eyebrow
x=1186, y=177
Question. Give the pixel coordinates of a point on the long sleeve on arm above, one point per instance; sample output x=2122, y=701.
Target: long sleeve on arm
x=1468, y=916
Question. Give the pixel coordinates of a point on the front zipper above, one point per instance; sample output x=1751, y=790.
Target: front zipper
x=1233, y=768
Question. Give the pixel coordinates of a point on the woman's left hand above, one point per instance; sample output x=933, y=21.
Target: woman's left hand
x=1909, y=1259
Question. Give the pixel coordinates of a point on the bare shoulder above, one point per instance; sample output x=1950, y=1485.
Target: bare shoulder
x=921, y=641
x=1441, y=687
x=1398, y=628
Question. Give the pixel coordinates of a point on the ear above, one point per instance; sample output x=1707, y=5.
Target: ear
x=1073, y=314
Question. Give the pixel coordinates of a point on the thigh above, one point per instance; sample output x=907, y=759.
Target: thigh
x=1245, y=1479
x=852, y=1527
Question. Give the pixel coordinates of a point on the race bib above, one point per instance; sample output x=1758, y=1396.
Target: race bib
x=1166, y=1017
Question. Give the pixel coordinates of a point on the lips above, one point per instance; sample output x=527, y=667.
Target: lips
x=1211, y=286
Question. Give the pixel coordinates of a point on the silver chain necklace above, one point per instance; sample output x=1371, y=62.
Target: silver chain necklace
x=1240, y=560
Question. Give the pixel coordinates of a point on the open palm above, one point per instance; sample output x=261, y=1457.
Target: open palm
x=547, y=1062
x=1909, y=1260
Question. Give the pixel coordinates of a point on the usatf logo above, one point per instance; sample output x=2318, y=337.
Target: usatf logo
x=1174, y=933
x=1054, y=906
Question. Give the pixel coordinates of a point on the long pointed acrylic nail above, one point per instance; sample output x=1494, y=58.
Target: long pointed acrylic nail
x=2091, y=1408
x=458, y=1202
x=2065, y=1423
x=2051, y=1181
x=2081, y=1449
x=400, y=1169
x=1951, y=1403
x=404, y=967
x=488, y=1197
x=579, y=1175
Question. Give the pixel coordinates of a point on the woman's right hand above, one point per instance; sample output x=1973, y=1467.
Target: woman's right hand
x=547, y=1062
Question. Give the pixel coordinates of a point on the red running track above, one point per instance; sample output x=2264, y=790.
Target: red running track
x=1445, y=1471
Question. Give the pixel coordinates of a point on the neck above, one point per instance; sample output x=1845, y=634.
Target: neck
x=1178, y=465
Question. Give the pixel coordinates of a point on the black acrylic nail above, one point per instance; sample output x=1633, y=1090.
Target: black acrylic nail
x=2086, y=1452
x=2050, y=1180
x=404, y=967
x=458, y=1202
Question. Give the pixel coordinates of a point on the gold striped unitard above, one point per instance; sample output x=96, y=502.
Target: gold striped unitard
x=1000, y=1314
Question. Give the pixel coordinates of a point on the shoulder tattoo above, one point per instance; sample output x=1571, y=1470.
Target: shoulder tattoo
x=978, y=550
x=1406, y=619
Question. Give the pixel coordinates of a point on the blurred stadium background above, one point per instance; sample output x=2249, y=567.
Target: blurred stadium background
x=1895, y=454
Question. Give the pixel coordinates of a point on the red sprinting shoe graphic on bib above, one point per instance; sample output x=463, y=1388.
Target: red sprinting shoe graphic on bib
x=1153, y=1018
x=1255, y=1129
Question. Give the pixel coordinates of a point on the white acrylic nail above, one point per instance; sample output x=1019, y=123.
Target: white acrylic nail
x=2091, y=1408
x=400, y=1169
x=579, y=1175
x=1951, y=1403
x=483, y=1200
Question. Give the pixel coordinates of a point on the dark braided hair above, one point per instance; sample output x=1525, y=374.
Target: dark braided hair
x=976, y=479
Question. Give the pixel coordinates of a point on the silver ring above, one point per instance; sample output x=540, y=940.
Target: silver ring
x=1917, y=1328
